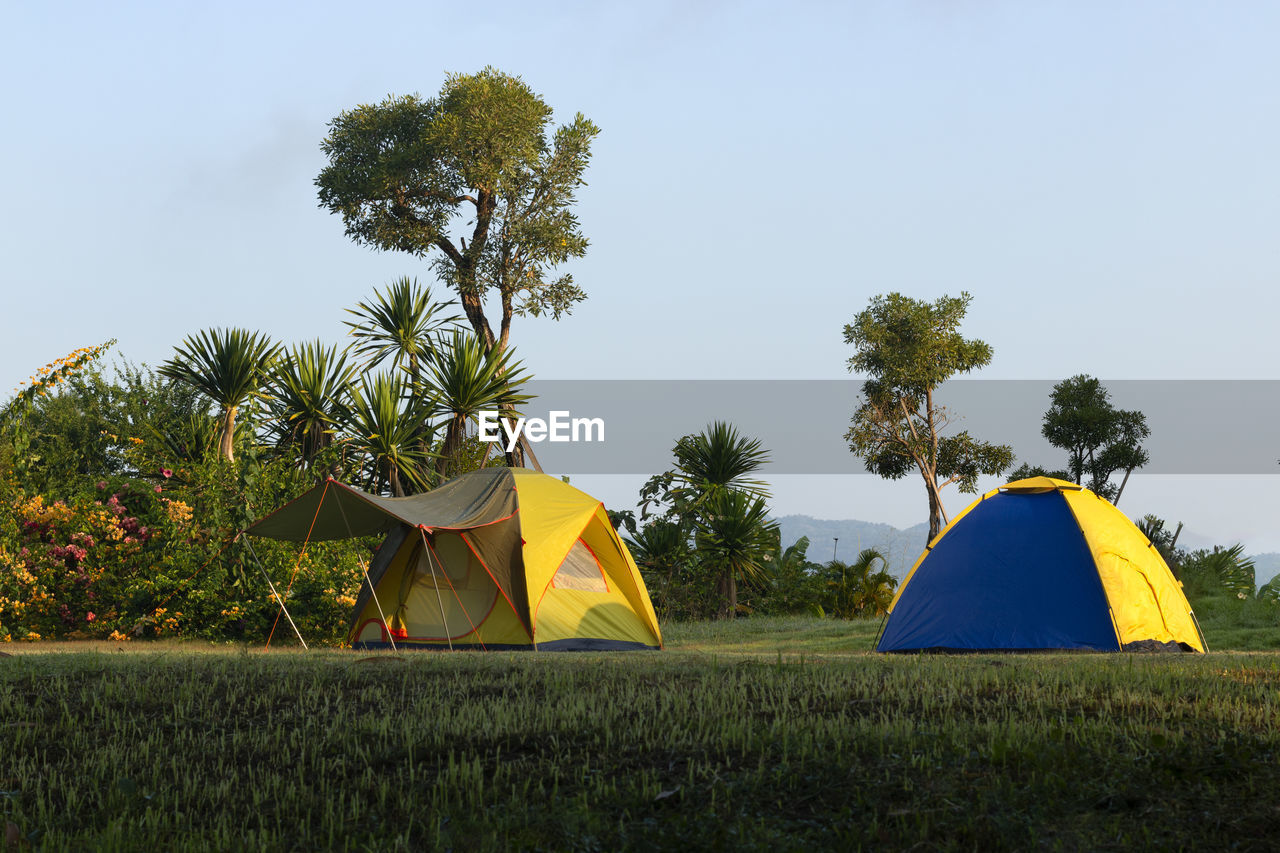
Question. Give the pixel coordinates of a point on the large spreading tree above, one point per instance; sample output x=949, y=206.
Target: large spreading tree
x=475, y=177
x=906, y=348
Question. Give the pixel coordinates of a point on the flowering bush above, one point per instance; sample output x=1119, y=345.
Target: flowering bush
x=65, y=565
x=130, y=561
x=116, y=520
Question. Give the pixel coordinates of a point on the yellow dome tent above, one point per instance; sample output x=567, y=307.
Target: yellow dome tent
x=500, y=558
x=1040, y=564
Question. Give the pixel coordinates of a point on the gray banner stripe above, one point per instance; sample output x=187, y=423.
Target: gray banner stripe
x=1197, y=426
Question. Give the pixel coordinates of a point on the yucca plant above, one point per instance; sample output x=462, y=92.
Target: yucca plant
x=308, y=393
x=401, y=322
x=463, y=379
x=227, y=366
x=392, y=430
x=737, y=539
x=714, y=460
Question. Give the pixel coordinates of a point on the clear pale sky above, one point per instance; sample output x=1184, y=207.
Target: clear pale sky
x=1102, y=177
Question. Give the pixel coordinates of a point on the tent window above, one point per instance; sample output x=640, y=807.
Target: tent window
x=580, y=570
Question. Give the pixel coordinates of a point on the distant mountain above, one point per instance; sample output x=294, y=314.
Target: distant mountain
x=902, y=547
x=1265, y=567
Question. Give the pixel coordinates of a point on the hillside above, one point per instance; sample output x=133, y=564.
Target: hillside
x=902, y=547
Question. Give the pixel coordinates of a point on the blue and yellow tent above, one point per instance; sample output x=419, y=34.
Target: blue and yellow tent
x=1039, y=564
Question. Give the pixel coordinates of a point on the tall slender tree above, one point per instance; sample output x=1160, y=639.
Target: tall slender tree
x=907, y=348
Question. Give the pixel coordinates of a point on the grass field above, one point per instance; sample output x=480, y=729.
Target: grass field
x=767, y=734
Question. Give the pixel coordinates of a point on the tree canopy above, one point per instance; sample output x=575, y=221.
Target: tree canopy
x=906, y=348
x=472, y=174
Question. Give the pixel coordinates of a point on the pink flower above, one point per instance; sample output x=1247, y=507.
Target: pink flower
x=166, y=473
x=159, y=490
x=102, y=484
x=90, y=616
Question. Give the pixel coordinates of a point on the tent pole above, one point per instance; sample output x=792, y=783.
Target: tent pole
x=1196, y=621
x=436, y=582
x=880, y=630
x=372, y=592
x=273, y=592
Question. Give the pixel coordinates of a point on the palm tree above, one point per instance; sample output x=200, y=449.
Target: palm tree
x=875, y=587
x=737, y=539
x=402, y=322
x=714, y=460
x=464, y=378
x=227, y=366
x=307, y=398
x=393, y=431
x=718, y=458
x=860, y=588
x=794, y=584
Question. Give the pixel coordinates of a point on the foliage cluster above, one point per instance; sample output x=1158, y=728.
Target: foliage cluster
x=390, y=412
x=1100, y=440
x=1220, y=586
x=907, y=348
x=118, y=520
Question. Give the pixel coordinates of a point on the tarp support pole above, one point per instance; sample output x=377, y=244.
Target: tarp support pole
x=444, y=574
x=364, y=568
x=272, y=587
x=436, y=583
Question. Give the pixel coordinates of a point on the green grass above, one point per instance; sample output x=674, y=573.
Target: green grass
x=766, y=734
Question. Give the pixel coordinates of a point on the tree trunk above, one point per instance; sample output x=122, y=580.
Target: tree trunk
x=227, y=436
x=733, y=596
x=935, y=509
x=393, y=476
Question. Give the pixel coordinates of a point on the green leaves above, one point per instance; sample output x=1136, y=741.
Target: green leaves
x=401, y=322
x=463, y=378
x=227, y=366
x=736, y=535
x=1099, y=438
x=308, y=393
x=712, y=497
x=861, y=588
x=907, y=348
x=390, y=428
x=408, y=173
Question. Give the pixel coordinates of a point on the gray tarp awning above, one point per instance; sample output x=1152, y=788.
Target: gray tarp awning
x=333, y=510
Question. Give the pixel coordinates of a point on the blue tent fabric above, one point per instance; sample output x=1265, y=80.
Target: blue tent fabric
x=1009, y=577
